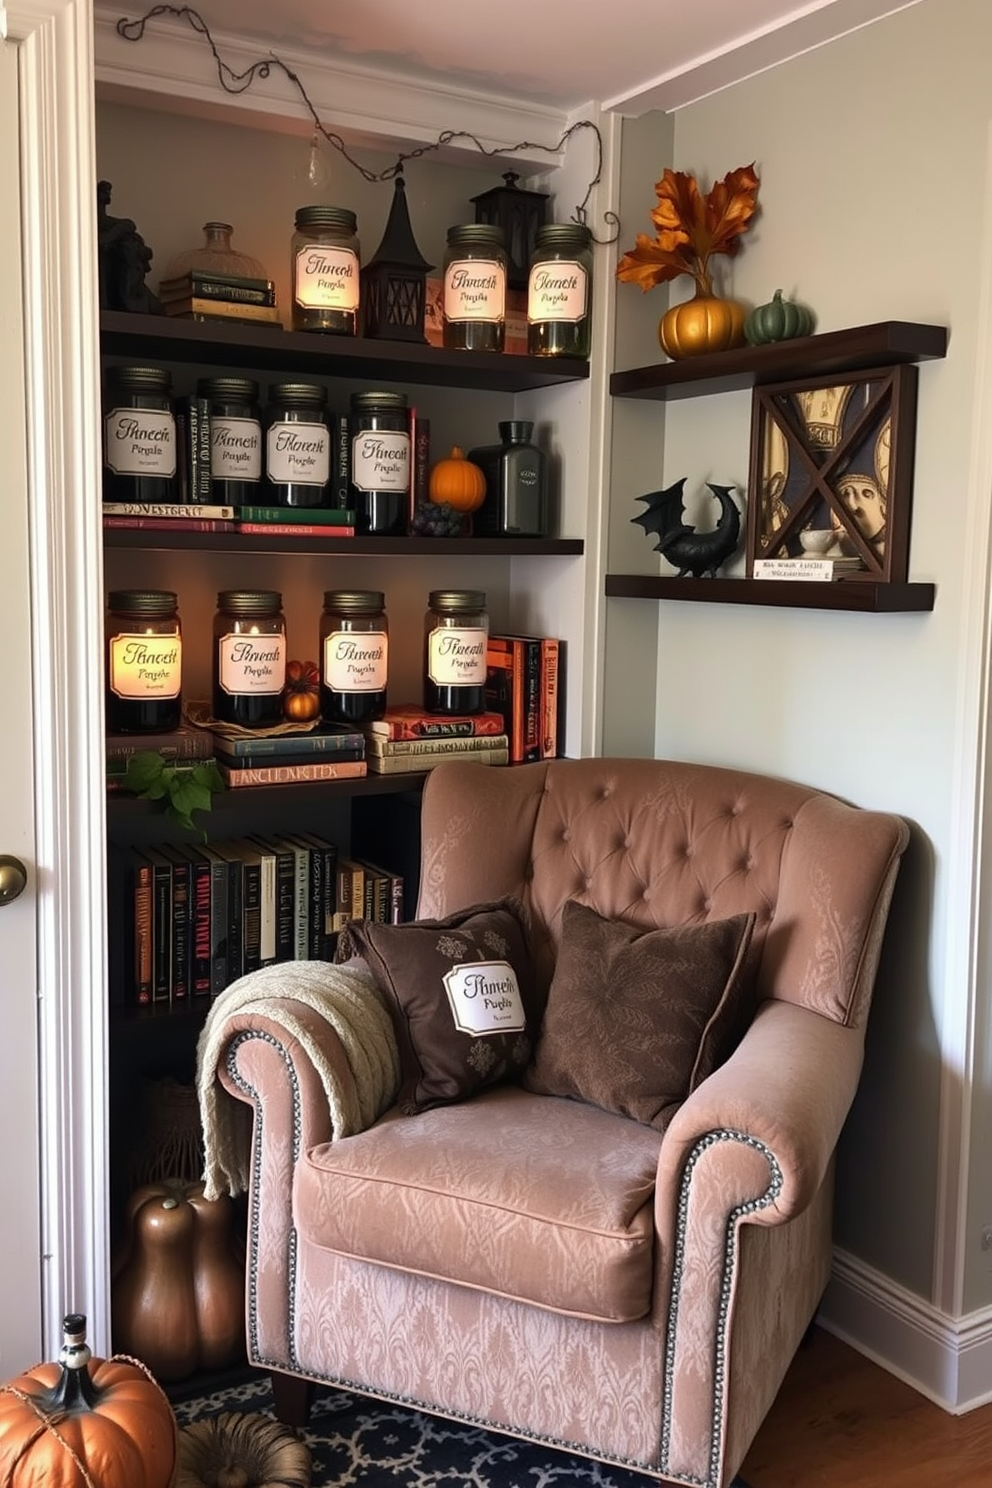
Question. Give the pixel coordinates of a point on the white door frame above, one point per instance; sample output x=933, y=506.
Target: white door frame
x=62, y=375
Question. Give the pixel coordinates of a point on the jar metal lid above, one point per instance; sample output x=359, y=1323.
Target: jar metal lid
x=457, y=599
x=149, y=603
x=235, y=389
x=304, y=394
x=354, y=601
x=382, y=402
x=250, y=601
x=340, y=218
x=564, y=235
x=147, y=379
x=485, y=234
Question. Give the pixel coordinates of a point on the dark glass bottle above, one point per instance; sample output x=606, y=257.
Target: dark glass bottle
x=249, y=666
x=475, y=288
x=235, y=439
x=143, y=662
x=456, y=633
x=516, y=503
x=298, y=445
x=380, y=462
x=139, y=436
x=354, y=656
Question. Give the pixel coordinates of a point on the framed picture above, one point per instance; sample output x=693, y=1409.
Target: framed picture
x=831, y=471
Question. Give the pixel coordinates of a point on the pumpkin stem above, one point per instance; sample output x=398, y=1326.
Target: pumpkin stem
x=74, y=1391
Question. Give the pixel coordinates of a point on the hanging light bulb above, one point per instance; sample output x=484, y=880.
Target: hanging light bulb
x=317, y=172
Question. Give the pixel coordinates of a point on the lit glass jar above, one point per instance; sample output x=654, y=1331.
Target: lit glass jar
x=139, y=435
x=380, y=462
x=474, y=290
x=325, y=271
x=297, y=444
x=235, y=439
x=143, y=661
x=456, y=632
x=249, y=665
x=559, y=291
x=354, y=656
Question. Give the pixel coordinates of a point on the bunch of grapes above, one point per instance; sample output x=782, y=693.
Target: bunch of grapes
x=436, y=519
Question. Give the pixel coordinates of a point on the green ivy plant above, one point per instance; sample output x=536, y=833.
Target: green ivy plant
x=184, y=788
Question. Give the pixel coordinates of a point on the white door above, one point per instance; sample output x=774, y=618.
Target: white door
x=20, y=1275
x=53, y=1066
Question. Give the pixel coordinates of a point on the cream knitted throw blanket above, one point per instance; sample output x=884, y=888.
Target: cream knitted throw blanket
x=348, y=999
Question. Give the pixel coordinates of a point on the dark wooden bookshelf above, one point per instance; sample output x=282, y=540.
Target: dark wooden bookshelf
x=864, y=595
x=884, y=344
x=122, y=807
x=263, y=348
x=358, y=547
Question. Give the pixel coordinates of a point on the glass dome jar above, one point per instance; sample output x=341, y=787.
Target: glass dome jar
x=216, y=255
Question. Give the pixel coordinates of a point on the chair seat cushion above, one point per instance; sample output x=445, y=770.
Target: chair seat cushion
x=544, y=1200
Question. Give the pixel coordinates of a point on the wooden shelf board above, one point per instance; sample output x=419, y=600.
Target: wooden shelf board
x=121, y=807
x=262, y=348
x=352, y=547
x=862, y=347
x=864, y=595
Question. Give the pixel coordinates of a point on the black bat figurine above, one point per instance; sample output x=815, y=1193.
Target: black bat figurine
x=691, y=552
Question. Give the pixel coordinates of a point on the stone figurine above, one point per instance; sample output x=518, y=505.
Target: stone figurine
x=125, y=259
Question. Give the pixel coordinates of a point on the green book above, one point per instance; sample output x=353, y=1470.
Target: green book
x=314, y=516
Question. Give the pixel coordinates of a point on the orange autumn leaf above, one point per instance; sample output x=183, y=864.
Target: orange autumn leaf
x=691, y=228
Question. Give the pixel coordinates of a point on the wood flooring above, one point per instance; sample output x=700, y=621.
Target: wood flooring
x=842, y=1422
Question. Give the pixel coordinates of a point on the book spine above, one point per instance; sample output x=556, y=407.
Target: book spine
x=200, y=968
x=167, y=524
x=200, y=482
x=504, y=691
x=162, y=922
x=195, y=286
x=278, y=871
x=267, y=908
x=285, y=903
x=531, y=665
x=283, y=516
x=303, y=744
x=421, y=461
x=357, y=888
x=180, y=927
x=550, y=664
x=190, y=747
x=142, y=919
x=330, y=530
x=237, y=778
x=235, y=918
x=219, y=928
x=251, y=914
x=177, y=511
x=341, y=462
x=342, y=896
x=215, y=276
x=301, y=899
x=392, y=747
x=403, y=764
x=315, y=914
x=428, y=727
x=197, y=308
x=329, y=853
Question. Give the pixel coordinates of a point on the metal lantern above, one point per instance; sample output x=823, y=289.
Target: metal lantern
x=519, y=213
x=393, y=289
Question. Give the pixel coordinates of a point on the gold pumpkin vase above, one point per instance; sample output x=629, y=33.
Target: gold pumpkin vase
x=704, y=323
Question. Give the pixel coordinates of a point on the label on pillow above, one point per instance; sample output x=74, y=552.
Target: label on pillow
x=485, y=998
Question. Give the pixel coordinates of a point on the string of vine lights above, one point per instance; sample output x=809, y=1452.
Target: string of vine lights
x=239, y=82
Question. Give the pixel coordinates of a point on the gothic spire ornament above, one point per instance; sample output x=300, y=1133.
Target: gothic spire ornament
x=393, y=290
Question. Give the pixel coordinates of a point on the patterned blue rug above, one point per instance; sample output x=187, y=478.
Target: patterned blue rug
x=360, y=1443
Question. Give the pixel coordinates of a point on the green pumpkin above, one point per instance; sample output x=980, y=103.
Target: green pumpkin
x=779, y=320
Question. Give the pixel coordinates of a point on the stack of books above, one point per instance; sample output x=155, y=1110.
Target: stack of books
x=203, y=294
x=523, y=687
x=267, y=521
x=407, y=740
x=325, y=753
x=195, y=919
x=181, y=746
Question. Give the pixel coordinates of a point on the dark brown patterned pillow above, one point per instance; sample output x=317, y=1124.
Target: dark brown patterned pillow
x=461, y=996
x=637, y=1019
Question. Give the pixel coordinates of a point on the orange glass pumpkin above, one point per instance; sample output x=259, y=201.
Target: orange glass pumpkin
x=704, y=323
x=301, y=694
x=86, y=1423
x=457, y=483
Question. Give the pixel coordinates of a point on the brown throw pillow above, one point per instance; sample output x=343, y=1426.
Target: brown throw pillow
x=637, y=1019
x=461, y=996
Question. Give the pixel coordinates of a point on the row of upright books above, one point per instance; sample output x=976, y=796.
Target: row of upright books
x=197, y=918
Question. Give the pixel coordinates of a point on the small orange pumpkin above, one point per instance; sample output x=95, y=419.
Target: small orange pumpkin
x=87, y=1423
x=704, y=323
x=301, y=694
x=457, y=483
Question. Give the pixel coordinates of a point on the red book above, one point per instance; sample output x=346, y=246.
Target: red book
x=290, y=529
x=513, y=688
x=170, y=524
x=411, y=721
x=550, y=695
x=292, y=774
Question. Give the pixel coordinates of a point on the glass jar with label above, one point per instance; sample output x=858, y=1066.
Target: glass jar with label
x=474, y=289
x=354, y=656
x=249, y=667
x=456, y=634
x=559, y=291
x=235, y=439
x=325, y=271
x=143, y=661
x=380, y=462
x=297, y=444
x=139, y=436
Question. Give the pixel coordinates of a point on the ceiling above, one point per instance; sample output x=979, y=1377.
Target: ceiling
x=561, y=53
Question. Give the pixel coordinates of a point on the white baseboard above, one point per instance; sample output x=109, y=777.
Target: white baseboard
x=947, y=1359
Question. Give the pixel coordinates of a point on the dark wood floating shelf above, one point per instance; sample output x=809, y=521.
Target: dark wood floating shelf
x=864, y=595
x=268, y=349
x=123, y=808
x=352, y=547
x=882, y=345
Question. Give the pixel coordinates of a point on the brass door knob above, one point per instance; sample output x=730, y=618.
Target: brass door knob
x=13, y=878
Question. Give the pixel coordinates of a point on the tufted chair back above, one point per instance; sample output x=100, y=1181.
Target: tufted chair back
x=660, y=843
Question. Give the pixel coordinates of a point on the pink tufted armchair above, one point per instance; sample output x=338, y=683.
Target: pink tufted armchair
x=539, y=1265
